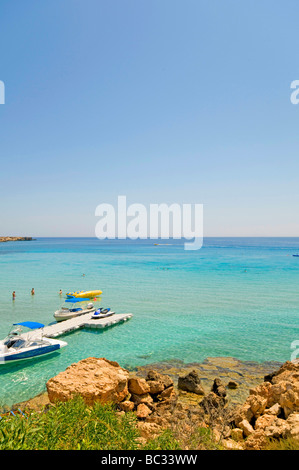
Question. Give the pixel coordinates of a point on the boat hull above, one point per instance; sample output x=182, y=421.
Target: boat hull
x=102, y=315
x=31, y=353
x=62, y=316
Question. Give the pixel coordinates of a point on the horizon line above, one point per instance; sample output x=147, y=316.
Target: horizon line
x=149, y=238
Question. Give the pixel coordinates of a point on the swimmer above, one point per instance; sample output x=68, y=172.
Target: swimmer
x=60, y=292
x=32, y=291
x=14, y=295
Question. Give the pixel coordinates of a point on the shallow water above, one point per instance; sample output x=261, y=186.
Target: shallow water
x=234, y=297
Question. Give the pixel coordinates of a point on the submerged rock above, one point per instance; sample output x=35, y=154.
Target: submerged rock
x=191, y=383
x=246, y=374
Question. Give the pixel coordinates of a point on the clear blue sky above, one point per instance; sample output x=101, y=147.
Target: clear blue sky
x=184, y=101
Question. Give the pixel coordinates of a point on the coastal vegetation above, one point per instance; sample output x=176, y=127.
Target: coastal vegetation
x=73, y=425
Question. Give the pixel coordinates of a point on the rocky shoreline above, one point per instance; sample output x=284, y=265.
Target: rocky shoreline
x=243, y=404
x=246, y=374
x=15, y=239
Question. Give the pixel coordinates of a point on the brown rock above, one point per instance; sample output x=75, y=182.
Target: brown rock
x=290, y=399
x=288, y=369
x=95, y=379
x=274, y=410
x=293, y=426
x=232, y=384
x=145, y=398
x=219, y=388
x=149, y=430
x=158, y=382
x=143, y=411
x=285, y=388
x=211, y=402
x=191, y=383
x=246, y=427
x=155, y=386
x=138, y=386
x=231, y=444
x=257, y=404
x=243, y=412
x=256, y=441
x=167, y=393
x=277, y=429
x=264, y=421
x=263, y=390
x=237, y=434
x=126, y=406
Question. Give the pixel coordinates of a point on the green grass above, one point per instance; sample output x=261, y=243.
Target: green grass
x=166, y=441
x=70, y=426
x=283, y=444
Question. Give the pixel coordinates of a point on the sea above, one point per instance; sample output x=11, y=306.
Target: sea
x=235, y=297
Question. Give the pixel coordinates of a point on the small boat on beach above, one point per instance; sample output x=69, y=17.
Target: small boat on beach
x=65, y=313
x=102, y=313
x=21, y=345
x=83, y=294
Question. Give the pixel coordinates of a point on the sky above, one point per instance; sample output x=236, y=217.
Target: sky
x=163, y=101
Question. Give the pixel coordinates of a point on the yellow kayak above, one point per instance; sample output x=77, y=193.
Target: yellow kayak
x=83, y=294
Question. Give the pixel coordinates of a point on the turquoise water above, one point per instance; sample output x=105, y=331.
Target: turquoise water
x=234, y=297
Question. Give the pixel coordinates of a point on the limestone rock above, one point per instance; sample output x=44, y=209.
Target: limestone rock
x=293, y=426
x=257, y=404
x=158, y=382
x=287, y=370
x=138, y=386
x=155, y=386
x=277, y=429
x=167, y=393
x=231, y=444
x=95, y=379
x=211, y=402
x=237, y=434
x=144, y=398
x=127, y=406
x=243, y=412
x=274, y=410
x=256, y=441
x=148, y=430
x=143, y=411
x=246, y=427
x=285, y=388
x=264, y=421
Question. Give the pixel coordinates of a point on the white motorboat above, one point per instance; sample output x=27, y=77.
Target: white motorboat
x=102, y=313
x=21, y=345
x=65, y=313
